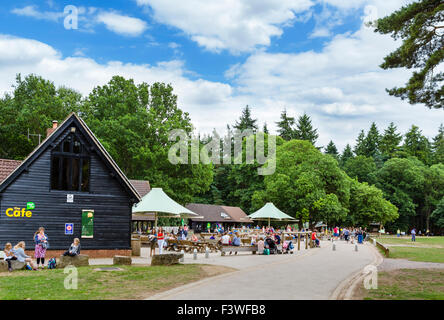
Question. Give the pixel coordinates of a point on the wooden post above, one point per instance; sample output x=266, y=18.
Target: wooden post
x=306, y=241
x=299, y=242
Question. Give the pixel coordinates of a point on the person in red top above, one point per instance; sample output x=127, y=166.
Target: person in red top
x=314, y=238
x=160, y=239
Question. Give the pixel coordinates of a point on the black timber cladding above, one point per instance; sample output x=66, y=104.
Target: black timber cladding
x=110, y=196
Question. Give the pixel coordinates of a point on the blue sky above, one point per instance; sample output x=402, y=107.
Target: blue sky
x=313, y=56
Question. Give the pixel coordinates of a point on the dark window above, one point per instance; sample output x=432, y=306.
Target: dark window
x=70, y=166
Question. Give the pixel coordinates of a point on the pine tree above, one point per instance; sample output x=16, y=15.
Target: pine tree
x=346, y=154
x=332, y=150
x=265, y=128
x=390, y=141
x=415, y=144
x=360, y=149
x=438, y=146
x=246, y=121
x=372, y=142
x=285, y=126
x=305, y=131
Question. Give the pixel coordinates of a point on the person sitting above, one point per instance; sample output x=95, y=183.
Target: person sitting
x=315, y=239
x=19, y=252
x=194, y=238
x=260, y=245
x=74, y=249
x=9, y=255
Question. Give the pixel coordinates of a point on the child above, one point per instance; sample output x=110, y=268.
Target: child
x=9, y=255
x=74, y=249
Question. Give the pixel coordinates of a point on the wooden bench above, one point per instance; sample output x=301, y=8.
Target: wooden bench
x=225, y=249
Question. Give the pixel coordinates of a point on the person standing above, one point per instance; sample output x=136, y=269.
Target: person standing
x=41, y=244
x=413, y=233
x=160, y=240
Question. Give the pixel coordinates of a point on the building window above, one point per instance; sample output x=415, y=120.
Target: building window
x=70, y=165
x=87, y=223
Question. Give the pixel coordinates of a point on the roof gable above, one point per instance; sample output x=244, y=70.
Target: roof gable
x=216, y=213
x=73, y=119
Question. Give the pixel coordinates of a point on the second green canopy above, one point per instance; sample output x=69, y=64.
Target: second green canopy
x=270, y=212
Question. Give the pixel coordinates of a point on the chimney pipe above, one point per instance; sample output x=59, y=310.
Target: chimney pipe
x=54, y=127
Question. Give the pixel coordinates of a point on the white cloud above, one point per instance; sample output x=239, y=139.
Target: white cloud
x=234, y=25
x=31, y=11
x=341, y=87
x=121, y=24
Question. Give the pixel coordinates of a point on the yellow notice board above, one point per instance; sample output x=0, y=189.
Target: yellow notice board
x=87, y=223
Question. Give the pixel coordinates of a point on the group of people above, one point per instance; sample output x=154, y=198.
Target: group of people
x=41, y=245
x=349, y=234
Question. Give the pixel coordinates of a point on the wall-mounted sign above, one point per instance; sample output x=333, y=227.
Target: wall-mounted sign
x=69, y=228
x=70, y=198
x=87, y=223
x=30, y=206
x=17, y=212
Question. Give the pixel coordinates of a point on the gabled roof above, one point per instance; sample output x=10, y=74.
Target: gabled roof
x=216, y=213
x=100, y=150
x=7, y=166
x=142, y=186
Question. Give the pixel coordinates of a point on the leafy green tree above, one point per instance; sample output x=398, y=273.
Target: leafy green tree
x=307, y=184
x=305, y=131
x=390, y=141
x=286, y=126
x=438, y=146
x=420, y=26
x=346, y=154
x=438, y=215
x=367, y=205
x=33, y=105
x=361, y=168
x=133, y=123
x=332, y=150
x=246, y=121
x=417, y=145
x=433, y=192
x=402, y=181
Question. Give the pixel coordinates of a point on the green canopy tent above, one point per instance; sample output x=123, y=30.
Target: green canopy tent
x=157, y=202
x=270, y=212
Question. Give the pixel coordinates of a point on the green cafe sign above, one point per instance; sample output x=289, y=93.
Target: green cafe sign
x=17, y=212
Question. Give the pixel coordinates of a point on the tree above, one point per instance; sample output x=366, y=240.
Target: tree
x=390, y=141
x=346, y=154
x=417, y=145
x=33, y=105
x=265, y=128
x=371, y=142
x=307, y=184
x=305, y=131
x=438, y=215
x=360, y=148
x=285, y=126
x=402, y=181
x=433, y=191
x=361, y=168
x=332, y=150
x=420, y=26
x=133, y=123
x=438, y=146
x=246, y=121
x=367, y=205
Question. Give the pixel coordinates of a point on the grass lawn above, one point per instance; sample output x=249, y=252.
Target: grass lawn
x=428, y=249
x=406, y=284
x=135, y=282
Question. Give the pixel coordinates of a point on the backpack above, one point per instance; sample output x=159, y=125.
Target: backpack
x=52, y=263
x=266, y=252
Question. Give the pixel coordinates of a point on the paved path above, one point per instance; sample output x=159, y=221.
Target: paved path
x=307, y=274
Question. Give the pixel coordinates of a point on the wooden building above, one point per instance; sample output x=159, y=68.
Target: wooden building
x=227, y=217
x=72, y=187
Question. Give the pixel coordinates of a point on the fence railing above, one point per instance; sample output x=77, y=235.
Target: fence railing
x=379, y=245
